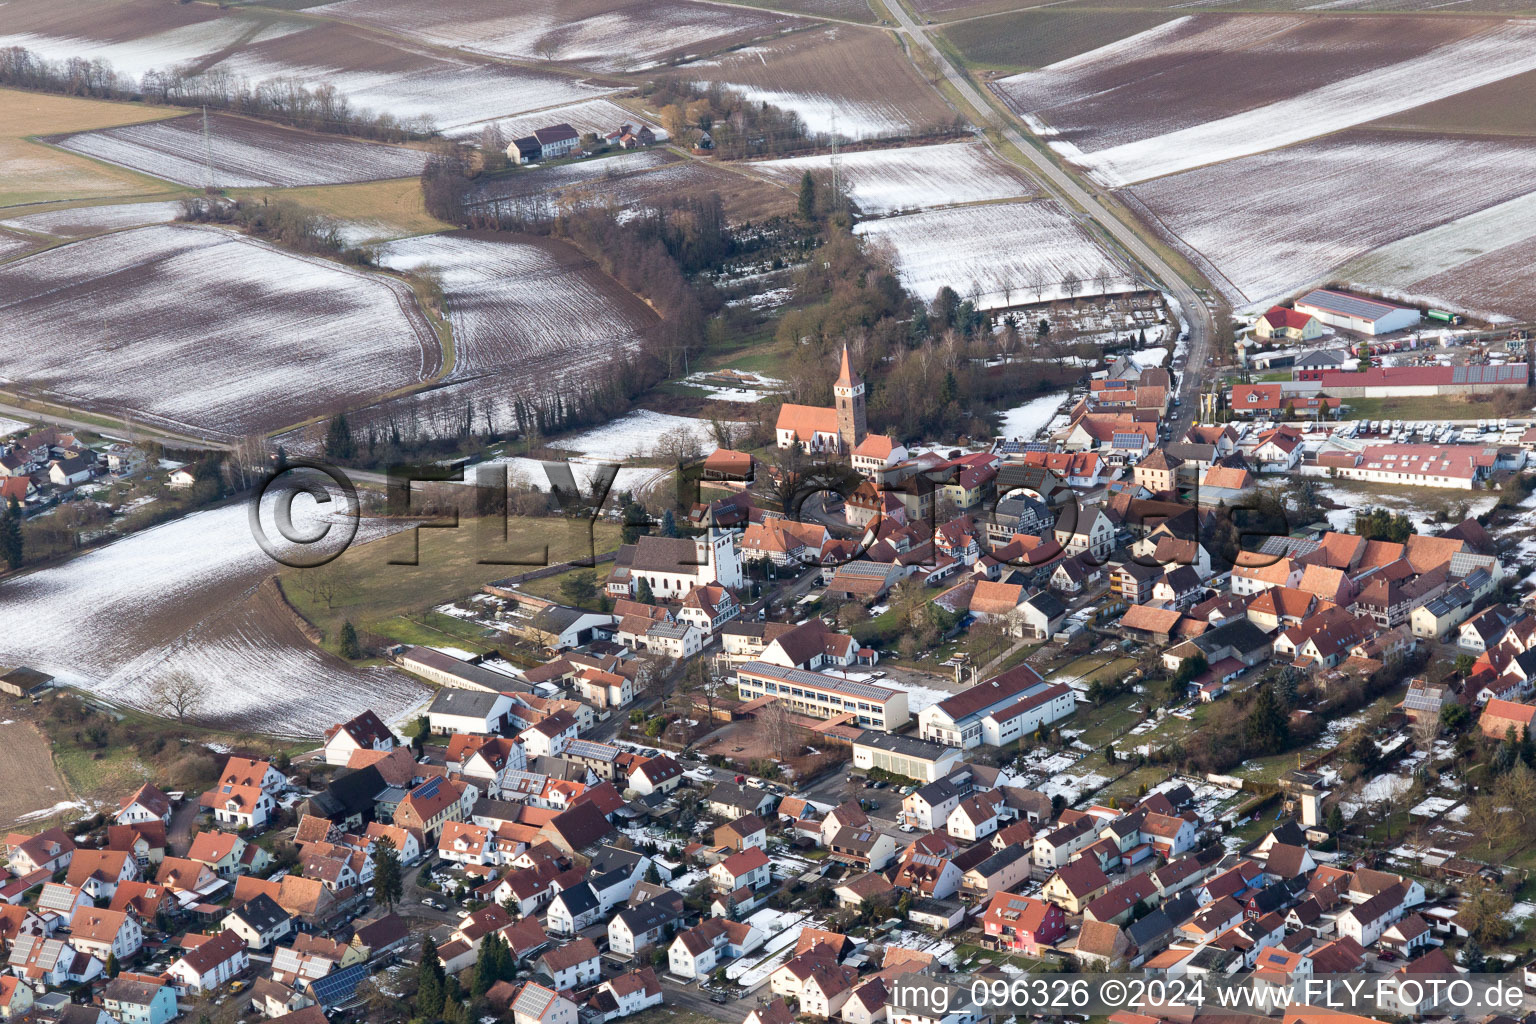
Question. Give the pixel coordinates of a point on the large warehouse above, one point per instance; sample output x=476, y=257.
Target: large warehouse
x=1368, y=316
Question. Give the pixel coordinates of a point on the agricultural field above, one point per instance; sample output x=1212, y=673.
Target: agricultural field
x=854, y=77
x=842, y=10
x=1272, y=223
x=205, y=330
x=373, y=72
x=1024, y=40
x=370, y=211
x=242, y=153
x=1000, y=255
x=596, y=35
x=36, y=173
x=119, y=617
x=1502, y=108
x=545, y=182
x=1496, y=284
x=883, y=181
x=34, y=792
x=1218, y=89
x=13, y=245
x=93, y=220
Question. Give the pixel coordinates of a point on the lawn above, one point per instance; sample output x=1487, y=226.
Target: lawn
x=1109, y=721
x=377, y=596
x=973, y=957
x=1421, y=407
x=38, y=173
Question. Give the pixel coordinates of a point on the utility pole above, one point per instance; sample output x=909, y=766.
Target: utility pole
x=207, y=152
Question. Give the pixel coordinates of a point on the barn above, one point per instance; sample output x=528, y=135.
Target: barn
x=1353, y=313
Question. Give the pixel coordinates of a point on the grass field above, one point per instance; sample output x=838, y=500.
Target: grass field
x=396, y=600
x=379, y=209
x=35, y=173
x=1024, y=40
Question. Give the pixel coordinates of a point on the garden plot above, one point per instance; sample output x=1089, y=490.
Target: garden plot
x=599, y=35
x=638, y=436
x=241, y=153
x=1217, y=89
x=999, y=255
x=853, y=80
x=183, y=598
x=92, y=220
x=883, y=181
x=205, y=330
x=1269, y=224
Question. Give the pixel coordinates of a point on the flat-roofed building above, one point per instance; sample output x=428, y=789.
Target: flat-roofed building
x=824, y=696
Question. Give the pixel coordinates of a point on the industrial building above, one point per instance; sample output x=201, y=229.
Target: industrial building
x=1351, y=312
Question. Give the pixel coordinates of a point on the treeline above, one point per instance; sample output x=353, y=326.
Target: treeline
x=284, y=222
x=285, y=100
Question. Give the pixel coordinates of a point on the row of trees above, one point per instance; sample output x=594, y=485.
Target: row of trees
x=286, y=223
x=287, y=100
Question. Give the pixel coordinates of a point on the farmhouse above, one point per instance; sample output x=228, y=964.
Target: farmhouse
x=1287, y=325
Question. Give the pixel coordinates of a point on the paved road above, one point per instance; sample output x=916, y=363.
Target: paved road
x=179, y=836
x=1202, y=331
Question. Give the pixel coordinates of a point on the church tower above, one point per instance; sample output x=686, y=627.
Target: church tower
x=849, y=393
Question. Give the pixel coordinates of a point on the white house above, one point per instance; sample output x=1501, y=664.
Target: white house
x=215, y=960
x=750, y=868
x=572, y=965
x=698, y=951
x=631, y=993
x=145, y=805
x=365, y=732
x=975, y=818
x=536, y=1004
x=104, y=933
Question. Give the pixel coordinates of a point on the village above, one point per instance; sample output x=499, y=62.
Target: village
x=742, y=785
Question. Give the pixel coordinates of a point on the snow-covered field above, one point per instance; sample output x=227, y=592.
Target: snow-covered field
x=1024, y=422
x=1488, y=54
x=885, y=181
x=530, y=472
x=371, y=73
x=206, y=329
x=826, y=114
x=9, y=426
x=243, y=154
x=604, y=37
x=533, y=311
x=172, y=599
x=1272, y=223
x=87, y=220
x=636, y=436
x=1006, y=253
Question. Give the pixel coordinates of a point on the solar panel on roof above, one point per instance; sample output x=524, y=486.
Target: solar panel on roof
x=338, y=986
x=1349, y=305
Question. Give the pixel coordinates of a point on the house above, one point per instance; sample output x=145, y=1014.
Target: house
x=259, y=922
x=934, y=1002
x=747, y=830
x=731, y=800
x=575, y=964
x=635, y=928
x=1280, y=323
x=1076, y=884
x=630, y=993
x=69, y=471
x=429, y=806
x=975, y=818
x=1500, y=717
x=1366, y=922
x=212, y=961
x=44, y=963
x=365, y=732
x=536, y=1004
x=1001, y=872
x=656, y=775
x=106, y=933
x=749, y=869
x=226, y=854
x=98, y=872
x=696, y=952
x=862, y=846
x=50, y=850
x=139, y=999
x=146, y=804
x=16, y=999
x=181, y=479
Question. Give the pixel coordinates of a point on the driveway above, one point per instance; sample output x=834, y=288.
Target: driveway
x=179, y=836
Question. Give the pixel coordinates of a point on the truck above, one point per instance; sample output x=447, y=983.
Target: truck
x=1443, y=316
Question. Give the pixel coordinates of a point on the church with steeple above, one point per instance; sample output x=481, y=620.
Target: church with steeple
x=840, y=430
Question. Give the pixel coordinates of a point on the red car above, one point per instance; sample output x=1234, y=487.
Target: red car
x=1386, y=955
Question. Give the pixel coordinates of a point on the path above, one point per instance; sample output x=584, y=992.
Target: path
x=1064, y=186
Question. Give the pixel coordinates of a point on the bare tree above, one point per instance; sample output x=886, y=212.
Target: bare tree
x=1038, y=280
x=177, y=695
x=1426, y=729
x=1071, y=284
x=1102, y=278
x=779, y=730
